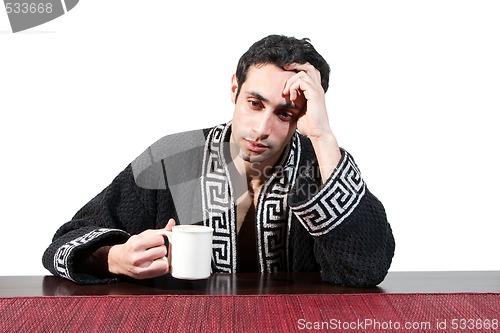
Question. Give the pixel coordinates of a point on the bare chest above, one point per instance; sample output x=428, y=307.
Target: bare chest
x=243, y=206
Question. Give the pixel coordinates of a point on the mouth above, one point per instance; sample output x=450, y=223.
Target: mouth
x=255, y=146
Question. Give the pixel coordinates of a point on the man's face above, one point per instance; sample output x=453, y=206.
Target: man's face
x=264, y=119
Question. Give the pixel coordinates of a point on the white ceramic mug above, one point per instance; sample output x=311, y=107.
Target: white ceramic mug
x=191, y=251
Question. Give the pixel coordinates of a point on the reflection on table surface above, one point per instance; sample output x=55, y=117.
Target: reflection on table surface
x=255, y=284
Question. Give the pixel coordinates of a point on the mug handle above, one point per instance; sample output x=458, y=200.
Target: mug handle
x=169, y=236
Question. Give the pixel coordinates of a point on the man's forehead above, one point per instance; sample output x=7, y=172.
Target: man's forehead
x=266, y=78
x=262, y=69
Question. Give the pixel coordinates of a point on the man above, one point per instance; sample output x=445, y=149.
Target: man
x=273, y=183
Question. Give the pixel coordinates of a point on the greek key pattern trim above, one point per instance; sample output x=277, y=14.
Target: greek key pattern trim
x=335, y=201
x=274, y=215
x=218, y=210
x=64, y=252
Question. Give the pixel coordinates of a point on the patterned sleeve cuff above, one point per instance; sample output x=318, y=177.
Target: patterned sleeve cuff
x=334, y=201
x=64, y=254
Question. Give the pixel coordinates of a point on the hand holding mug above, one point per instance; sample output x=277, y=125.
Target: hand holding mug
x=143, y=256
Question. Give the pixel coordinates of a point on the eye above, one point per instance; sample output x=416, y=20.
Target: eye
x=255, y=104
x=286, y=116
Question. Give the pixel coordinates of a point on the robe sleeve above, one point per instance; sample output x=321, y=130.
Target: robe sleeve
x=353, y=241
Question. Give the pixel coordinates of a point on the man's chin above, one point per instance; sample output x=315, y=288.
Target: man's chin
x=252, y=157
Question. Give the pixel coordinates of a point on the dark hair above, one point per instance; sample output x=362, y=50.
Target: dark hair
x=282, y=51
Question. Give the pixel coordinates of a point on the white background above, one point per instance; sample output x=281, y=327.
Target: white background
x=414, y=91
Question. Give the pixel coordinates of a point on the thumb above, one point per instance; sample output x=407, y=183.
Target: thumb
x=168, y=228
x=169, y=225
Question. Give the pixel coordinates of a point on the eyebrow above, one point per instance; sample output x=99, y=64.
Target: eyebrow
x=291, y=106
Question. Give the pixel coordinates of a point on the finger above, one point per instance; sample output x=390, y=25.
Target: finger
x=143, y=259
x=160, y=266
x=155, y=253
x=299, y=76
x=166, y=229
x=296, y=84
x=287, y=90
x=307, y=68
x=169, y=225
x=148, y=239
x=155, y=268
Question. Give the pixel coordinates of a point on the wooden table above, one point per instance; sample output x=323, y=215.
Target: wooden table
x=298, y=302
x=256, y=284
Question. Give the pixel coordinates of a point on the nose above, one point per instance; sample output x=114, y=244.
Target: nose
x=262, y=125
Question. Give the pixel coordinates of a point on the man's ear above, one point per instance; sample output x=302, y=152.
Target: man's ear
x=234, y=88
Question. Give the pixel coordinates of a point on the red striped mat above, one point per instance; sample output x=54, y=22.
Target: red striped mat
x=464, y=312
